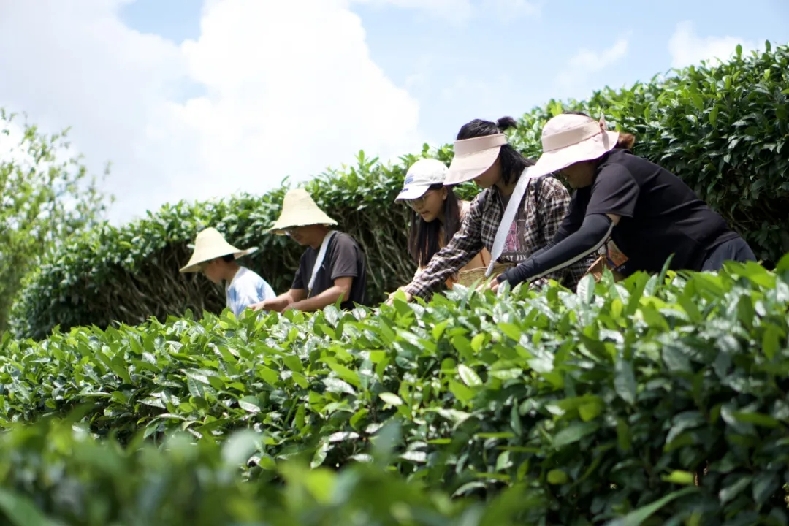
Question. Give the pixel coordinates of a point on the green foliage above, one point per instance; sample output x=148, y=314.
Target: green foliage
x=52, y=475
x=721, y=128
x=44, y=197
x=591, y=407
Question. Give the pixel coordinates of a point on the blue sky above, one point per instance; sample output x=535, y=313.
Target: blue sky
x=195, y=99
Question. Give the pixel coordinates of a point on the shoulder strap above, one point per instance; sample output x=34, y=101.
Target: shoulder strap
x=509, y=216
x=319, y=260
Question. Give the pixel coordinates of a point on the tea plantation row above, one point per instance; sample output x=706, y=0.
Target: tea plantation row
x=587, y=407
x=722, y=128
x=56, y=475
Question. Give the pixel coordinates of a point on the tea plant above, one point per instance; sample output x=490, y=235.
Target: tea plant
x=588, y=406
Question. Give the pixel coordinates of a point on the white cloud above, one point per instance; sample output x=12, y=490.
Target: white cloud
x=454, y=11
x=510, y=10
x=587, y=62
x=461, y=11
x=289, y=89
x=687, y=48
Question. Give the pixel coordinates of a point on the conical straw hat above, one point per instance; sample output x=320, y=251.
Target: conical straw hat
x=210, y=244
x=298, y=209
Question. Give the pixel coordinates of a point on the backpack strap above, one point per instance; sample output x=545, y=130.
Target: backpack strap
x=319, y=260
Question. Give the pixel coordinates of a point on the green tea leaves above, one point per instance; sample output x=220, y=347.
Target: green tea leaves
x=625, y=381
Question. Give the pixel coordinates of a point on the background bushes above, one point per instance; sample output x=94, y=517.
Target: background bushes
x=722, y=128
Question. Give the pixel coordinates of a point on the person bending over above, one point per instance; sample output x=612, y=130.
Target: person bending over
x=647, y=212
x=216, y=258
x=482, y=154
x=437, y=216
x=332, y=268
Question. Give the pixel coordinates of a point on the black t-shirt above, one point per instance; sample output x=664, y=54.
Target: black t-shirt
x=344, y=258
x=659, y=214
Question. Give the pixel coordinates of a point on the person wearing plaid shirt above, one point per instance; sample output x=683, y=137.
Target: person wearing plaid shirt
x=496, y=170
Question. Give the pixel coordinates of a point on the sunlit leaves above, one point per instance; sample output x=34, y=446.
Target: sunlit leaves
x=599, y=408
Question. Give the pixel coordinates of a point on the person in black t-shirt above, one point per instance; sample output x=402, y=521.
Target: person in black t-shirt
x=648, y=213
x=332, y=268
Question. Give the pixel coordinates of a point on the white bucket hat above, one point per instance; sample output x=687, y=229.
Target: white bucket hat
x=210, y=244
x=421, y=176
x=568, y=139
x=474, y=156
x=298, y=209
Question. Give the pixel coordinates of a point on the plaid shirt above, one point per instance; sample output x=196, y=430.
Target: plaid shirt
x=537, y=221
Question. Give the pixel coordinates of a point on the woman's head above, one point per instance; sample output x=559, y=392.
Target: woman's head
x=435, y=220
x=423, y=188
x=573, y=144
x=436, y=209
x=483, y=155
x=582, y=173
x=430, y=205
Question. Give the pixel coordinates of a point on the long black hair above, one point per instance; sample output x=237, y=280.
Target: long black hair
x=511, y=161
x=425, y=238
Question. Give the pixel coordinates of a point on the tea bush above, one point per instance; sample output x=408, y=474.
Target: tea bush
x=722, y=128
x=52, y=475
x=587, y=406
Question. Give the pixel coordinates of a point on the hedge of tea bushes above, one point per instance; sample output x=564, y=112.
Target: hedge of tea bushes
x=722, y=128
x=586, y=407
x=54, y=475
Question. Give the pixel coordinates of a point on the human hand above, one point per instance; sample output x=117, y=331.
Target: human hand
x=390, y=300
x=495, y=284
x=276, y=304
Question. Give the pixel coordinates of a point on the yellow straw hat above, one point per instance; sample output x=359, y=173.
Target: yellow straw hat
x=210, y=244
x=298, y=209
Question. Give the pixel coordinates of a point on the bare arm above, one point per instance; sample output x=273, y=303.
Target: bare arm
x=282, y=301
x=339, y=291
x=294, y=295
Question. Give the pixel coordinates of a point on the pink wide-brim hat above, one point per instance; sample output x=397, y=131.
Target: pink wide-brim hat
x=473, y=156
x=566, y=139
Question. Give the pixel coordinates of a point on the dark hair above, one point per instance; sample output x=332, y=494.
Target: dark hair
x=511, y=161
x=423, y=240
x=228, y=258
x=625, y=141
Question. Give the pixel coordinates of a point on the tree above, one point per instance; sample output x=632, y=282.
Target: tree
x=46, y=195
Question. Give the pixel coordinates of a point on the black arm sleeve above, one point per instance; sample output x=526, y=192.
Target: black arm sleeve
x=588, y=239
